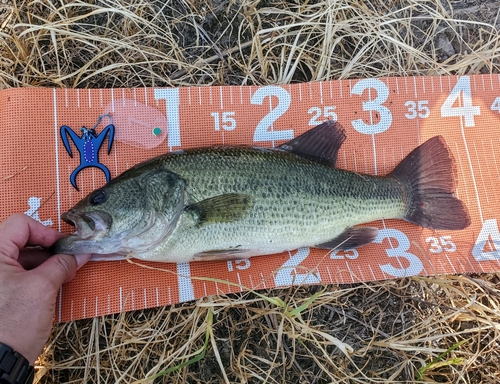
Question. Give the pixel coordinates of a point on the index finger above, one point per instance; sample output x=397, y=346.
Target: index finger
x=22, y=230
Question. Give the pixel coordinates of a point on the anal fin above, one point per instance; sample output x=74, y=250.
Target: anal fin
x=351, y=238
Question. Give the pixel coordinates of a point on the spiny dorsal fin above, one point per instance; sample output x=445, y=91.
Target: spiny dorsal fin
x=221, y=209
x=320, y=144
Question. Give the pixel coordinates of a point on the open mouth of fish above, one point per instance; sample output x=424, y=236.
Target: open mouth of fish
x=89, y=226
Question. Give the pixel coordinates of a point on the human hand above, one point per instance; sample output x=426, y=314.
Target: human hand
x=28, y=297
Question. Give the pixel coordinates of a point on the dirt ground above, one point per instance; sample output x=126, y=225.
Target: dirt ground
x=438, y=329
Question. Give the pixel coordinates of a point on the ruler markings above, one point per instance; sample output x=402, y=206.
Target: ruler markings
x=230, y=94
x=157, y=297
x=145, y=299
x=189, y=95
x=481, y=172
x=450, y=263
x=109, y=304
x=100, y=97
x=56, y=146
x=329, y=274
x=72, y=306
x=415, y=87
x=463, y=174
x=205, y=288
x=78, y=97
x=310, y=91
x=494, y=158
x=121, y=299
x=112, y=93
x=351, y=273
x=210, y=95
x=66, y=98
x=491, y=82
x=340, y=88
x=221, y=96
x=397, y=85
x=440, y=84
x=406, y=85
x=169, y=293
x=135, y=97
x=471, y=168
x=123, y=97
x=96, y=306
x=482, y=80
x=133, y=299
x=300, y=93
x=371, y=271
x=432, y=84
x=84, y=307
x=146, y=96
x=263, y=280
x=251, y=282
x=89, y=96
x=200, y=99
x=331, y=90
x=423, y=84
x=239, y=280
x=321, y=92
x=59, y=309
x=241, y=95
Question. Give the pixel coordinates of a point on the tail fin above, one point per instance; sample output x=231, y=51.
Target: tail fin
x=429, y=176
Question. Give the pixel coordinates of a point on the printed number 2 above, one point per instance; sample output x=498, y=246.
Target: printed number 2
x=465, y=108
x=415, y=265
x=284, y=275
x=264, y=131
x=374, y=105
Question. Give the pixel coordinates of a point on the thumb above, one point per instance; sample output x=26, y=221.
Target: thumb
x=61, y=268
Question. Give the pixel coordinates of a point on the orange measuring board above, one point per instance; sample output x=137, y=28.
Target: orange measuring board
x=48, y=135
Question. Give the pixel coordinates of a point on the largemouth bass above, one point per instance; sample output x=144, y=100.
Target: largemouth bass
x=238, y=202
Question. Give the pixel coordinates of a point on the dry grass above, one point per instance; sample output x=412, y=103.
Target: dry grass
x=436, y=329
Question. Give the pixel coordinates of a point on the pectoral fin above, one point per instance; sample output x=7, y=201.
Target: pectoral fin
x=221, y=209
x=351, y=238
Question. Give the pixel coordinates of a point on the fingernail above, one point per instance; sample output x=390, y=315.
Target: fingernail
x=81, y=260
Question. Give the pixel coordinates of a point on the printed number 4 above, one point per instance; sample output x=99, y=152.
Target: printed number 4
x=488, y=234
x=465, y=108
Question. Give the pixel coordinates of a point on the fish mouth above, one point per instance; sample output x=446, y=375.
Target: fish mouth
x=90, y=225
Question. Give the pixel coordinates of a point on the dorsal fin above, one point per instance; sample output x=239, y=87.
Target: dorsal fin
x=320, y=144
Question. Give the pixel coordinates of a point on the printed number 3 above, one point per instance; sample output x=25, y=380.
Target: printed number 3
x=371, y=106
x=415, y=265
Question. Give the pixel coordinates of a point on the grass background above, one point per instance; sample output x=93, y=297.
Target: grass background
x=434, y=329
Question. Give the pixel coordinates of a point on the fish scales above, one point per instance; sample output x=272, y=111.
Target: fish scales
x=295, y=201
x=236, y=202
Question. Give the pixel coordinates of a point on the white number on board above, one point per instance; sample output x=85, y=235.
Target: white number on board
x=444, y=243
x=418, y=108
x=240, y=264
x=415, y=265
x=495, y=106
x=461, y=94
x=321, y=114
x=489, y=233
x=264, y=131
x=287, y=274
x=340, y=254
x=375, y=105
x=224, y=120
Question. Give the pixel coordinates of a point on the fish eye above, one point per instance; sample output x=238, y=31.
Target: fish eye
x=98, y=197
